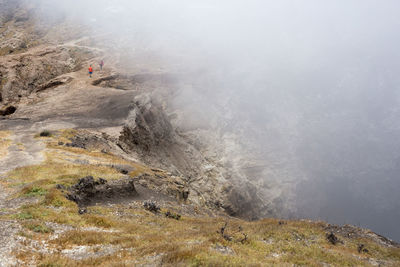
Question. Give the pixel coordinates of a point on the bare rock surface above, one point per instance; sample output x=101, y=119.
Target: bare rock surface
x=24, y=150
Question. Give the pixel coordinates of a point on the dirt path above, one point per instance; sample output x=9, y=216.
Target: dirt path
x=75, y=43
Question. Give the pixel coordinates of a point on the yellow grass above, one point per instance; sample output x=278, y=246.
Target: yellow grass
x=195, y=242
x=4, y=143
x=146, y=238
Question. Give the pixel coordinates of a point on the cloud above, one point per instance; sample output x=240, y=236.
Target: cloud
x=311, y=87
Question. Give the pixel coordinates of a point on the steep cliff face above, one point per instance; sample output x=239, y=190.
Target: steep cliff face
x=147, y=126
x=150, y=134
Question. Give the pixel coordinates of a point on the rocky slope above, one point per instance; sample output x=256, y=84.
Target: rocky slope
x=101, y=171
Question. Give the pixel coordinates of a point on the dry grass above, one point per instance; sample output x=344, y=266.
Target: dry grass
x=154, y=239
x=195, y=242
x=4, y=143
x=94, y=156
x=147, y=238
x=53, y=172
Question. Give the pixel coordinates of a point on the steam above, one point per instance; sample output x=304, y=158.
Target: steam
x=311, y=87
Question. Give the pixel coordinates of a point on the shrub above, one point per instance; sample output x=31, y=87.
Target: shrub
x=172, y=215
x=45, y=133
x=151, y=206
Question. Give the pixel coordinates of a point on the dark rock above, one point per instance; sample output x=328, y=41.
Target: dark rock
x=88, y=190
x=60, y=187
x=124, y=169
x=185, y=195
x=361, y=248
x=102, y=181
x=332, y=238
x=45, y=133
x=172, y=215
x=60, y=143
x=151, y=206
x=8, y=111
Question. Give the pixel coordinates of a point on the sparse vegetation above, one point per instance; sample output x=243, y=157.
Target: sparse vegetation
x=5, y=142
x=25, y=215
x=38, y=227
x=167, y=238
x=34, y=191
x=172, y=215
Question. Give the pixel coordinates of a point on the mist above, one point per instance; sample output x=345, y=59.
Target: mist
x=310, y=87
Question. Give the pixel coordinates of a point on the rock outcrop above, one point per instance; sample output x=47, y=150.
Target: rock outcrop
x=147, y=126
x=88, y=190
x=25, y=73
x=149, y=133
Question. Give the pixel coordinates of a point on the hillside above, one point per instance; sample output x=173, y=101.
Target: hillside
x=101, y=171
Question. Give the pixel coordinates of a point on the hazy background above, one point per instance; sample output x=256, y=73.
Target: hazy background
x=311, y=87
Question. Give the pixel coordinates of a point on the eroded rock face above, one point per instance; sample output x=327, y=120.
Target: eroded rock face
x=28, y=72
x=149, y=133
x=147, y=126
x=27, y=62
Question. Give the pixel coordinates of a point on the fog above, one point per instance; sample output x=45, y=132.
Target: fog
x=311, y=87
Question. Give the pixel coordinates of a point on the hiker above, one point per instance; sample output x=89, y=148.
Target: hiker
x=101, y=64
x=90, y=71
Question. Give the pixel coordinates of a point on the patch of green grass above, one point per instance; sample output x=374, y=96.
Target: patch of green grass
x=25, y=215
x=38, y=227
x=36, y=191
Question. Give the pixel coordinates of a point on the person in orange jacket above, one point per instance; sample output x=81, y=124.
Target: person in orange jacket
x=90, y=71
